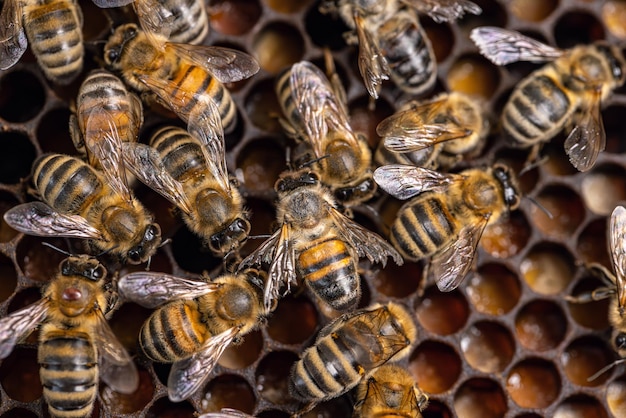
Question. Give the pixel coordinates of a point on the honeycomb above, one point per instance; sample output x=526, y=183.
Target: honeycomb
x=505, y=344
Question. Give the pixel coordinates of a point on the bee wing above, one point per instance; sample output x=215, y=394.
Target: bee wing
x=588, y=138
x=152, y=289
x=617, y=244
x=13, y=41
x=444, y=10
x=189, y=374
x=372, y=64
x=405, y=181
x=226, y=64
x=226, y=413
x=39, y=219
x=145, y=163
x=154, y=19
x=449, y=266
x=503, y=46
x=105, y=4
x=19, y=324
x=117, y=368
x=366, y=243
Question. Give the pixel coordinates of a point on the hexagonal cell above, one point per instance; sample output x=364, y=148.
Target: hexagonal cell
x=566, y=208
x=398, y=281
x=436, y=366
x=17, y=156
x=442, y=313
x=493, y=13
x=338, y=407
x=242, y=355
x=127, y=322
x=534, y=10
x=164, y=408
x=441, y=37
x=263, y=108
x=7, y=201
x=325, y=30
x=488, y=346
x=493, y=289
x=8, y=275
x=53, y=134
x=94, y=21
x=533, y=383
x=480, y=398
x=260, y=163
x=548, y=268
x=190, y=253
x=614, y=18
x=234, y=17
x=594, y=314
x=39, y=262
x=475, y=75
x=118, y=403
x=19, y=375
x=540, y=325
x=22, y=96
x=583, y=358
x=603, y=188
x=580, y=406
x=278, y=45
x=591, y=246
x=436, y=409
x=616, y=396
x=228, y=391
x=577, y=27
x=293, y=321
x=365, y=120
x=507, y=237
x=612, y=117
x=162, y=371
x=272, y=375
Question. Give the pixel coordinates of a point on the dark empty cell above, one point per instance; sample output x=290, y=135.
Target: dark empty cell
x=22, y=96
x=16, y=158
x=95, y=21
x=440, y=36
x=191, y=254
x=164, y=408
x=540, y=325
x=556, y=160
x=263, y=108
x=7, y=201
x=613, y=119
x=228, y=391
x=234, y=17
x=436, y=366
x=325, y=30
x=245, y=353
x=277, y=46
x=436, y=409
x=575, y=28
x=119, y=403
x=583, y=358
x=260, y=163
x=338, y=407
x=39, y=262
x=480, y=398
x=53, y=132
x=272, y=375
x=162, y=372
x=365, y=120
x=293, y=321
x=18, y=413
x=273, y=413
x=19, y=375
x=493, y=14
x=8, y=278
x=127, y=321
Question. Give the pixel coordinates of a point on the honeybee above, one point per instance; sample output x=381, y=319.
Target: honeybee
x=185, y=77
x=195, y=321
x=435, y=133
x=185, y=21
x=316, y=111
x=392, y=43
x=448, y=215
x=318, y=242
x=566, y=93
x=76, y=344
x=80, y=202
x=390, y=391
x=349, y=349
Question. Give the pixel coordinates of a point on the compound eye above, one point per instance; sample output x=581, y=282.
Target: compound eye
x=113, y=55
x=134, y=256
x=152, y=233
x=620, y=341
x=99, y=272
x=310, y=178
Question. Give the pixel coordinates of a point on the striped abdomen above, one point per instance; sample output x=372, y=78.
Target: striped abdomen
x=285, y=95
x=536, y=111
x=180, y=152
x=69, y=374
x=54, y=30
x=172, y=332
x=329, y=269
x=190, y=23
x=423, y=226
x=66, y=183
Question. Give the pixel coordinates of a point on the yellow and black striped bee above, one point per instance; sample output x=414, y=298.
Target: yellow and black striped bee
x=447, y=214
x=318, y=243
x=565, y=94
x=390, y=391
x=81, y=202
x=185, y=21
x=317, y=113
x=195, y=321
x=76, y=344
x=348, y=350
x=434, y=133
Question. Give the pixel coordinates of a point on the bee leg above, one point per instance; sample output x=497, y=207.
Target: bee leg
x=533, y=158
x=595, y=295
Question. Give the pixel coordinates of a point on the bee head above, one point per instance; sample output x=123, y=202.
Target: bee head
x=117, y=42
x=357, y=193
x=147, y=246
x=619, y=341
x=510, y=188
x=615, y=60
x=83, y=266
x=230, y=238
x=293, y=181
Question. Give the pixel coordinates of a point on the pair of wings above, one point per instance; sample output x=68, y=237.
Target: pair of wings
x=449, y=265
x=588, y=138
x=279, y=252
x=115, y=364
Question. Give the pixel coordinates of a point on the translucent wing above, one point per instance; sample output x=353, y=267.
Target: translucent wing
x=449, y=266
x=117, y=368
x=37, y=218
x=372, y=64
x=366, y=243
x=188, y=375
x=617, y=247
x=181, y=104
x=226, y=64
x=226, y=413
x=503, y=46
x=444, y=10
x=588, y=138
x=152, y=289
x=105, y=4
x=404, y=181
x=155, y=19
x=13, y=41
x=145, y=163
x=17, y=325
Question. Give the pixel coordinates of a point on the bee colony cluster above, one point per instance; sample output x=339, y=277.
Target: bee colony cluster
x=295, y=215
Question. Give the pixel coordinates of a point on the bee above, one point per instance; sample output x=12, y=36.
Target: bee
x=76, y=344
x=185, y=77
x=392, y=43
x=195, y=321
x=349, y=349
x=432, y=134
x=447, y=215
x=316, y=111
x=566, y=93
x=390, y=391
x=318, y=242
x=186, y=21
x=80, y=202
